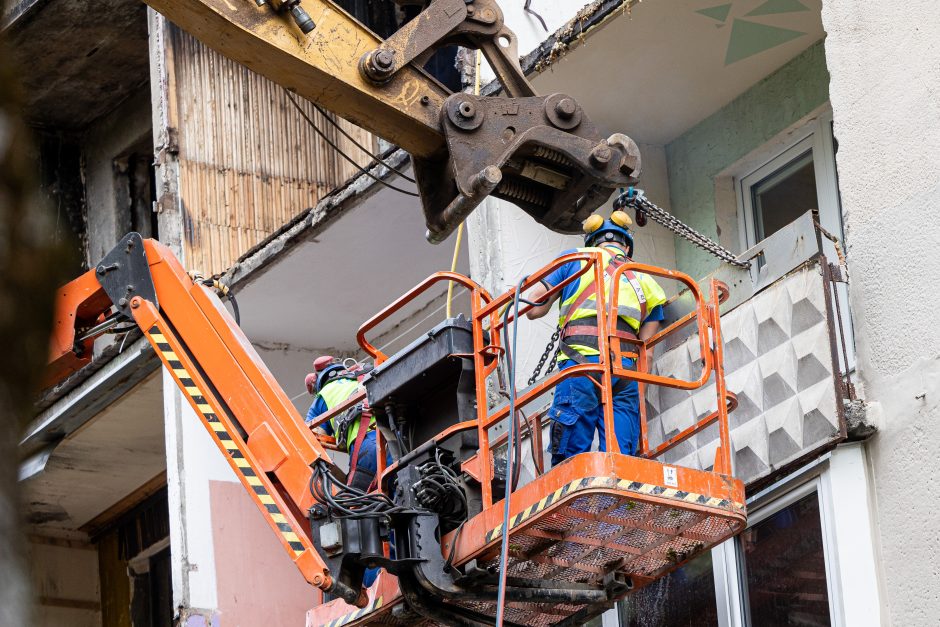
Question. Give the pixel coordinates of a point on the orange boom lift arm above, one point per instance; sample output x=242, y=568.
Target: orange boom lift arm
x=236, y=397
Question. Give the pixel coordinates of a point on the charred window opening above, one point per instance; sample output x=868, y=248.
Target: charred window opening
x=135, y=568
x=136, y=189
x=62, y=183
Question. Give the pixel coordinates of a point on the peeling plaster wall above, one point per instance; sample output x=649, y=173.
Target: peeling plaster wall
x=65, y=581
x=258, y=583
x=885, y=92
x=753, y=118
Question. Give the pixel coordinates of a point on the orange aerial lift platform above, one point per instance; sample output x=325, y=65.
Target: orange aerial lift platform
x=581, y=535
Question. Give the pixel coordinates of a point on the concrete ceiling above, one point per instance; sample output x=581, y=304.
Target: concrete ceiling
x=115, y=453
x=317, y=294
x=78, y=60
x=655, y=73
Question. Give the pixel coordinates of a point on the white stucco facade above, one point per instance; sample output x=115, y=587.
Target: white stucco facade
x=884, y=92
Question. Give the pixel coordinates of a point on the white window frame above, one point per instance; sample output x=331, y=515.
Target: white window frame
x=814, y=135
x=728, y=563
x=840, y=480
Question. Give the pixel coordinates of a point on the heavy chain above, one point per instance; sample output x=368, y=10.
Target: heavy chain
x=642, y=204
x=548, y=349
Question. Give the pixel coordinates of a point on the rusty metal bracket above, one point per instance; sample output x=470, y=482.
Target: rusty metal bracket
x=541, y=153
x=476, y=24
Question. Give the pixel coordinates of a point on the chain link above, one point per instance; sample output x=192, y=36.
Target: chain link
x=642, y=204
x=544, y=357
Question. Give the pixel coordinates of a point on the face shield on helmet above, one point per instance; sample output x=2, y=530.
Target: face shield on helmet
x=597, y=230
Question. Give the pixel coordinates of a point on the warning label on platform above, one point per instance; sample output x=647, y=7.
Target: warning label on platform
x=670, y=476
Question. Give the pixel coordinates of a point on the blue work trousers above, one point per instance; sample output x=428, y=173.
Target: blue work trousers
x=368, y=461
x=576, y=413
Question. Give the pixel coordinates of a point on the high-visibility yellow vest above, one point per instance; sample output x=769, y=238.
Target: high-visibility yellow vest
x=629, y=308
x=333, y=394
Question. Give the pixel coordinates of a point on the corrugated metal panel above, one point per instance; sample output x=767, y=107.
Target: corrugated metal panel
x=248, y=160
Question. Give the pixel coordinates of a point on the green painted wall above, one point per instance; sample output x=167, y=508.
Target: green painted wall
x=751, y=119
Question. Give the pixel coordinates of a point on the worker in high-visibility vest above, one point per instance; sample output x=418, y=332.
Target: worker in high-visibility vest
x=576, y=412
x=332, y=383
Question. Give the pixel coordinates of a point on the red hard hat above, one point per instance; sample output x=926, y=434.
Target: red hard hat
x=322, y=362
x=311, y=382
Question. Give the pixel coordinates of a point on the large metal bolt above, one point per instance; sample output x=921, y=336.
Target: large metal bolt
x=378, y=64
x=487, y=179
x=566, y=108
x=628, y=164
x=384, y=59
x=466, y=109
x=600, y=156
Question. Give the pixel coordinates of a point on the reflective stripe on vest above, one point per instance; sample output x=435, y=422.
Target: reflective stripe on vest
x=333, y=394
x=637, y=295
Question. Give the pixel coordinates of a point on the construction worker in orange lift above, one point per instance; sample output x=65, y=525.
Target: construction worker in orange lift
x=576, y=412
x=332, y=383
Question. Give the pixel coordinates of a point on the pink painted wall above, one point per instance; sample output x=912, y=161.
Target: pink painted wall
x=256, y=581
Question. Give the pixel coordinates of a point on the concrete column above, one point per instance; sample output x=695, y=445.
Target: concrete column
x=192, y=461
x=884, y=93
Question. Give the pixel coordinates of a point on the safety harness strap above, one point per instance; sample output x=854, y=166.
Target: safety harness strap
x=578, y=358
x=590, y=291
x=357, y=445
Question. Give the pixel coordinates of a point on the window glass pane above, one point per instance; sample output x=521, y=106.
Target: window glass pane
x=683, y=598
x=784, y=196
x=786, y=570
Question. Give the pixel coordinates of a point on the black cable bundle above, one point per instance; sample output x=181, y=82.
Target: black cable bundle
x=344, y=501
x=439, y=490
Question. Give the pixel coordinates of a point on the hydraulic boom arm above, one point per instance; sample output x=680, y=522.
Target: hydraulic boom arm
x=264, y=439
x=539, y=152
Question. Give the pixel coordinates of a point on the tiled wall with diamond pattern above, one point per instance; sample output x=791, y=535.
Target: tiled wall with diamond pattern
x=779, y=363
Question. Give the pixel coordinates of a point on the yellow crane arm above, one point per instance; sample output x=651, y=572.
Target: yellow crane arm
x=539, y=152
x=322, y=66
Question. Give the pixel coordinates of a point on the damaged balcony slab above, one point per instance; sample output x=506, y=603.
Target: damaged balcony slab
x=90, y=391
x=574, y=31
x=84, y=58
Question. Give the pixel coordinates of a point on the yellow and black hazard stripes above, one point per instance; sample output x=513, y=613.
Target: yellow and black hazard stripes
x=345, y=619
x=224, y=438
x=560, y=493
x=609, y=482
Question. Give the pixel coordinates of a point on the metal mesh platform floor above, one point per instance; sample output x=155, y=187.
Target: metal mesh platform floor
x=580, y=531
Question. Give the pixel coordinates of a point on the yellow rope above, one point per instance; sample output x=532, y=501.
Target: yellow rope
x=453, y=263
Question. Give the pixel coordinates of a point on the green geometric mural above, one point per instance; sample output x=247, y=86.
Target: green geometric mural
x=773, y=7
x=750, y=38
x=719, y=12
